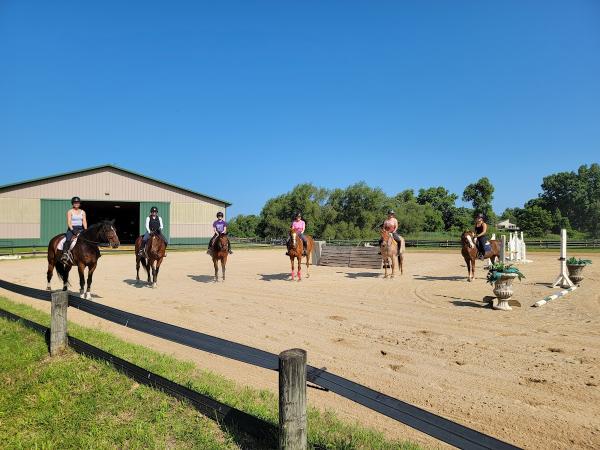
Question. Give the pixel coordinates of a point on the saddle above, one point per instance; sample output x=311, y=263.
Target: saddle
x=62, y=241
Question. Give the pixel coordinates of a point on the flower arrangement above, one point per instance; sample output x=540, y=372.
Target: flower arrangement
x=496, y=270
x=572, y=261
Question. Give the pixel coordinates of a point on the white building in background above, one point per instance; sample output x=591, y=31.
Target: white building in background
x=506, y=225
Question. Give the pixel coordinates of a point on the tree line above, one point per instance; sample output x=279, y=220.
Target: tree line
x=568, y=200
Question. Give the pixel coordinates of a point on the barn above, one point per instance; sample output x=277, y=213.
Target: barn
x=33, y=211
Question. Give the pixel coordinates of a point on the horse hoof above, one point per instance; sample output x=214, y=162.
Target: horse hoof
x=48, y=288
x=153, y=285
x=88, y=295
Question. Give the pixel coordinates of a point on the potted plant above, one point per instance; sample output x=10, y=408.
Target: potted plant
x=502, y=276
x=575, y=267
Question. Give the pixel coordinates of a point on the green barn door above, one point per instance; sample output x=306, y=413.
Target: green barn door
x=53, y=218
x=164, y=211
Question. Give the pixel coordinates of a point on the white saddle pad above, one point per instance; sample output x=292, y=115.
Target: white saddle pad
x=61, y=243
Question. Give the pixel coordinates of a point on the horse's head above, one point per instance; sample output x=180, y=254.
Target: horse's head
x=468, y=239
x=108, y=233
x=293, y=236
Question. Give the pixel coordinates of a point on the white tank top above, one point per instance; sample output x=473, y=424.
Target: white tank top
x=77, y=220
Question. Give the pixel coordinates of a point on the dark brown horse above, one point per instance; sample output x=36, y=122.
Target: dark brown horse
x=469, y=252
x=153, y=256
x=296, y=249
x=220, y=252
x=85, y=254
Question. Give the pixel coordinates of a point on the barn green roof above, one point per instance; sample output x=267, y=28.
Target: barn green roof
x=117, y=168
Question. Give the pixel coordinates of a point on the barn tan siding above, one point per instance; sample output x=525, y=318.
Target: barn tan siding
x=19, y=218
x=193, y=219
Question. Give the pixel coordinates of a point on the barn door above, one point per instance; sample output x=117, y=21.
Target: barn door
x=53, y=218
x=164, y=211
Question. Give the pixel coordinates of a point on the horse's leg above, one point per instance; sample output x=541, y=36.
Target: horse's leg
x=81, y=270
x=49, y=274
x=155, y=271
x=216, y=264
x=385, y=267
x=393, y=259
x=308, y=253
x=67, y=269
x=300, y=268
x=137, y=268
x=468, y=263
x=91, y=269
x=223, y=264
x=148, y=266
x=473, y=268
x=292, y=264
x=401, y=262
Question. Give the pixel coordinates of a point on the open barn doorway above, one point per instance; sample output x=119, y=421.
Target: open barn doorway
x=125, y=214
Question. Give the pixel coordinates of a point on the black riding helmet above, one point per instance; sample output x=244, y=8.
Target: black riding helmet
x=219, y=214
x=391, y=212
x=480, y=216
x=298, y=214
x=154, y=209
x=75, y=200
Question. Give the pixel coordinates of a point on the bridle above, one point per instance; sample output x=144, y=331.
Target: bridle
x=101, y=244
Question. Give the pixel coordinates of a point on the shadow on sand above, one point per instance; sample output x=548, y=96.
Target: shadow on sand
x=432, y=278
x=137, y=283
x=355, y=275
x=203, y=278
x=274, y=276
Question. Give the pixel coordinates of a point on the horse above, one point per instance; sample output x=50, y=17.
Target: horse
x=153, y=256
x=85, y=254
x=295, y=248
x=469, y=252
x=220, y=252
x=389, y=251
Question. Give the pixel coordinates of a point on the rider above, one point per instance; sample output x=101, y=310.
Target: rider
x=219, y=227
x=76, y=223
x=391, y=224
x=298, y=225
x=154, y=224
x=480, y=235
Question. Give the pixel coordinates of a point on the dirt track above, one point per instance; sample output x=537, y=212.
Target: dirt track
x=529, y=376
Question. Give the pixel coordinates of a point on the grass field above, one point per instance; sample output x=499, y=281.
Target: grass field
x=75, y=402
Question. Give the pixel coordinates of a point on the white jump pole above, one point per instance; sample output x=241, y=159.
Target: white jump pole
x=503, y=250
x=563, y=279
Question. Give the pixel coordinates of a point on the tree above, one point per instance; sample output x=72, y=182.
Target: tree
x=441, y=200
x=244, y=226
x=534, y=220
x=481, y=194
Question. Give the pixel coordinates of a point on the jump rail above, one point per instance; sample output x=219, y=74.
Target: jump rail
x=436, y=426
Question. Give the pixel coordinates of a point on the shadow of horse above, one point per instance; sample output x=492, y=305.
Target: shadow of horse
x=136, y=283
x=274, y=276
x=356, y=275
x=202, y=278
x=432, y=278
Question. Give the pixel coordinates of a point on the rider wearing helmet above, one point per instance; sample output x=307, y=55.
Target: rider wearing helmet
x=219, y=227
x=76, y=223
x=298, y=225
x=154, y=224
x=480, y=235
x=391, y=224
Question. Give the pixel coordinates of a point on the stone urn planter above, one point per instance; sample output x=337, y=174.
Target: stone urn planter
x=576, y=272
x=503, y=290
x=501, y=276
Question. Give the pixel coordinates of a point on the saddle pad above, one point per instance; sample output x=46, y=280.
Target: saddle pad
x=488, y=247
x=61, y=243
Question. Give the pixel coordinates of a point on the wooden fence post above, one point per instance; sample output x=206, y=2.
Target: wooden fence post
x=58, y=322
x=292, y=400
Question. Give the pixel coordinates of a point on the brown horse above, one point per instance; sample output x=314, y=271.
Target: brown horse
x=390, y=252
x=85, y=254
x=220, y=252
x=295, y=248
x=469, y=251
x=153, y=256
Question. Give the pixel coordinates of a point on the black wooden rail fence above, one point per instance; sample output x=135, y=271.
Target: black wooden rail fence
x=436, y=426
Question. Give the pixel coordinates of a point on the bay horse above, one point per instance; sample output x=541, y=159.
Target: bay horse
x=295, y=248
x=390, y=252
x=85, y=254
x=220, y=252
x=469, y=251
x=153, y=256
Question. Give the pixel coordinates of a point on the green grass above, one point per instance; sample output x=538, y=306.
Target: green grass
x=76, y=402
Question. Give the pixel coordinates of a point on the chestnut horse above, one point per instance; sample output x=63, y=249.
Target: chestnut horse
x=469, y=251
x=295, y=248
x=85, y=254
x=153, y=256
x=220, y=252
x=390, y=252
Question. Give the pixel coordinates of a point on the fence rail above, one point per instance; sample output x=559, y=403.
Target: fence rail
x=436, y=426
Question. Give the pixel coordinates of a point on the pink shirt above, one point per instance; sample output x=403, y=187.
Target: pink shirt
x=298, y=226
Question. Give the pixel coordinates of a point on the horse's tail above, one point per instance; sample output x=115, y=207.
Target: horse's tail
x=61, y=270
x=145, y=265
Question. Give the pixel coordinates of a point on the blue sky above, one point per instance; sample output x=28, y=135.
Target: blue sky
x=244, y=100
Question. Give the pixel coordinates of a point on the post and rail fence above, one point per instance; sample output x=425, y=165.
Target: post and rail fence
x=294, y=373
